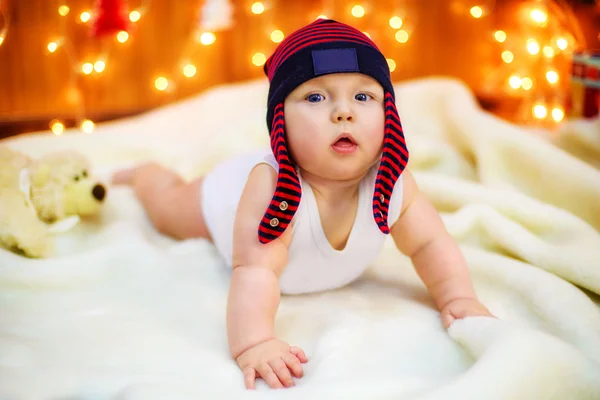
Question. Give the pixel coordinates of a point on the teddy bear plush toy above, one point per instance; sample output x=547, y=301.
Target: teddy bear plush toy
x=43, y=197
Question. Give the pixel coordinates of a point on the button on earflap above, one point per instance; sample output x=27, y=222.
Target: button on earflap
x=274, y=222
x=283, y=205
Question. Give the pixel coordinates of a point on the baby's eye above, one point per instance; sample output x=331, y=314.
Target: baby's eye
x=84, y=173
x=76, y=178
x=314, y=98
x=362, y=97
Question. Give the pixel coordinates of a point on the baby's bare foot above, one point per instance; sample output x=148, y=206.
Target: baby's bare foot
x=123, y=177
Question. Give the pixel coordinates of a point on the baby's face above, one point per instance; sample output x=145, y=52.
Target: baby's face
x=322, y=110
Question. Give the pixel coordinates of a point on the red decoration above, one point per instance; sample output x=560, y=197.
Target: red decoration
x=585, y=85
x=110, y=16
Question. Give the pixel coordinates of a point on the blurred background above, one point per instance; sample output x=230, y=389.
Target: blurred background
x=76, y=63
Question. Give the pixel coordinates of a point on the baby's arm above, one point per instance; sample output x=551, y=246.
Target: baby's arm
x=420, y=234
x=254, y=292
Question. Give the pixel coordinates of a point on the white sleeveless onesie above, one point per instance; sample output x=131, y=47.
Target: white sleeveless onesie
x=313, y=265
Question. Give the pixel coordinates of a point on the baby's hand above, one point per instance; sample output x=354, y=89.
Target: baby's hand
x=272, y=361
x=462, y=308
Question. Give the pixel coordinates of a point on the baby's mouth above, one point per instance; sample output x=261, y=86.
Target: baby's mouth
x=344, y=140
x=344, y=144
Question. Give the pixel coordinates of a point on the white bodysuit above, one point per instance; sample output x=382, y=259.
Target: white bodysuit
x=313, y=265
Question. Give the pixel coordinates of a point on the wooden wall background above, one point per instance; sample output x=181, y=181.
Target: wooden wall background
x=36, y=87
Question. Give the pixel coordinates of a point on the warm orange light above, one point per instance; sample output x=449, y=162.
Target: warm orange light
x=85, y=16
x=99, y=66
x=161, y=83
x=402, y=36
x=87, y=68
x=507, y=56
x=391, y=64
x=533, y=47
x=277, y=36
x=540, y=111
x=87, y=126
x=552, y=76
x=526, y=83
x=358, y=11
x=476, y=12
x=135, y=16
x=63, y=11
x=57, y=127
x=258, y=59
x=396, y=22
x=189, y=70
x=52, y=46
x=258, y=8
x=207, y=38
x=538, y=16
x=562, y=43
x=122, y=36
x=557, y=114
x=548, y=51
x=500, y=36
x=514, y=82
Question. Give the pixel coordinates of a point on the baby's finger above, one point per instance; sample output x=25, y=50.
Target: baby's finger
x=249, y=377
x=266, y=373
x=292, y=362
x=298, y=352
x=282, y=371
x=447, y=319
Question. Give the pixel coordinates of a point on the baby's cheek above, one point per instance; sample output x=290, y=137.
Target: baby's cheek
x=309, y=149
x=299, y=149
x=375, y=135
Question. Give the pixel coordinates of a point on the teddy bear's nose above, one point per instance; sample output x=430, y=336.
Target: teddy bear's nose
x=99, y=192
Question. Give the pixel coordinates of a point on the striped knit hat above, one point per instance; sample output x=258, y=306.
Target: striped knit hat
x=326, y=47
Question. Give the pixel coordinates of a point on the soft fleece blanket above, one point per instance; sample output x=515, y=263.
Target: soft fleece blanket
x=122, y=312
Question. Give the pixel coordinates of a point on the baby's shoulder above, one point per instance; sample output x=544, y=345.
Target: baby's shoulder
x=409, y=189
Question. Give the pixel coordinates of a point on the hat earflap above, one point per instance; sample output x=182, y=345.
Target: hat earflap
x=288, y=191
x=393, y=161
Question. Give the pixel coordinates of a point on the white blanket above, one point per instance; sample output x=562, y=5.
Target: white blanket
x=124, y=313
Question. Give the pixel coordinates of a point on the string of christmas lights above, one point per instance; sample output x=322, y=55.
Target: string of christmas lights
x=213, y=16
x=533, y=60
x=358, y=11
x=108, y=19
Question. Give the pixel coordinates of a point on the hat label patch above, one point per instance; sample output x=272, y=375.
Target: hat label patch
x=330, y=61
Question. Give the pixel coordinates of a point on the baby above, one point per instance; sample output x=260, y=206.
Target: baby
x=313, y=214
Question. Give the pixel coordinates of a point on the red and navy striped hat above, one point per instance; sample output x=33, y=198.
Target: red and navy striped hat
x=320, y=48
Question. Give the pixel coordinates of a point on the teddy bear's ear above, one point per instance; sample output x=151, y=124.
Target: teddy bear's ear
x=41, y=174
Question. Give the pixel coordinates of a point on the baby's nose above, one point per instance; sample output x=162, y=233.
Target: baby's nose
x=343, y=113
x=99, y=192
